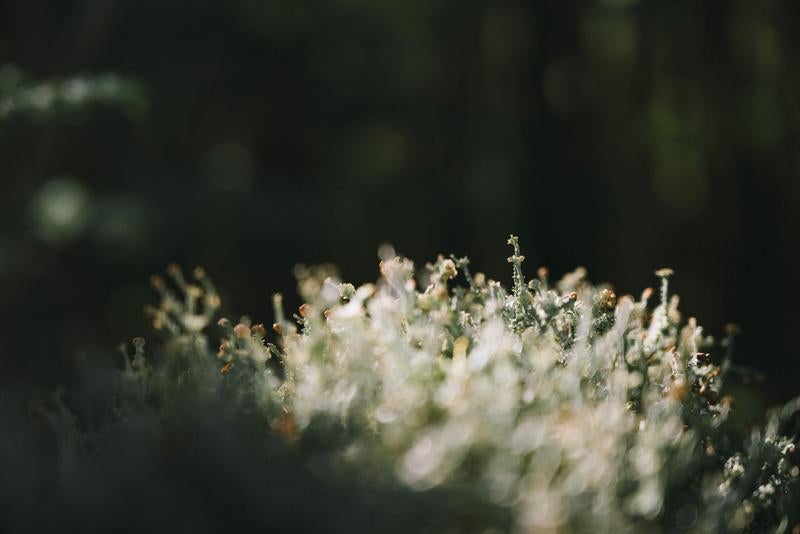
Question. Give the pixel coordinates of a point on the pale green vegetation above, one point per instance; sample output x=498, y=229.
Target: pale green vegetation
x=568, y=408
x=20, y=96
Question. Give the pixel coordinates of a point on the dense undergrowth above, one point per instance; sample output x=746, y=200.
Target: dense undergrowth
x=454, y=404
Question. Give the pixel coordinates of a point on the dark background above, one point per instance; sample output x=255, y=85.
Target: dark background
x=621, y=135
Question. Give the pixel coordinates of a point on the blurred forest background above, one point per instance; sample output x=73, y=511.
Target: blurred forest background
x=249, y=135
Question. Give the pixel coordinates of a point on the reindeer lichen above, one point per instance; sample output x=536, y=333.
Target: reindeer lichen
x=569, y=407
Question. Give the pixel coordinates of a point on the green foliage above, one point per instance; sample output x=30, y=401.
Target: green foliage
x=44, y=99
x=560, y=405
